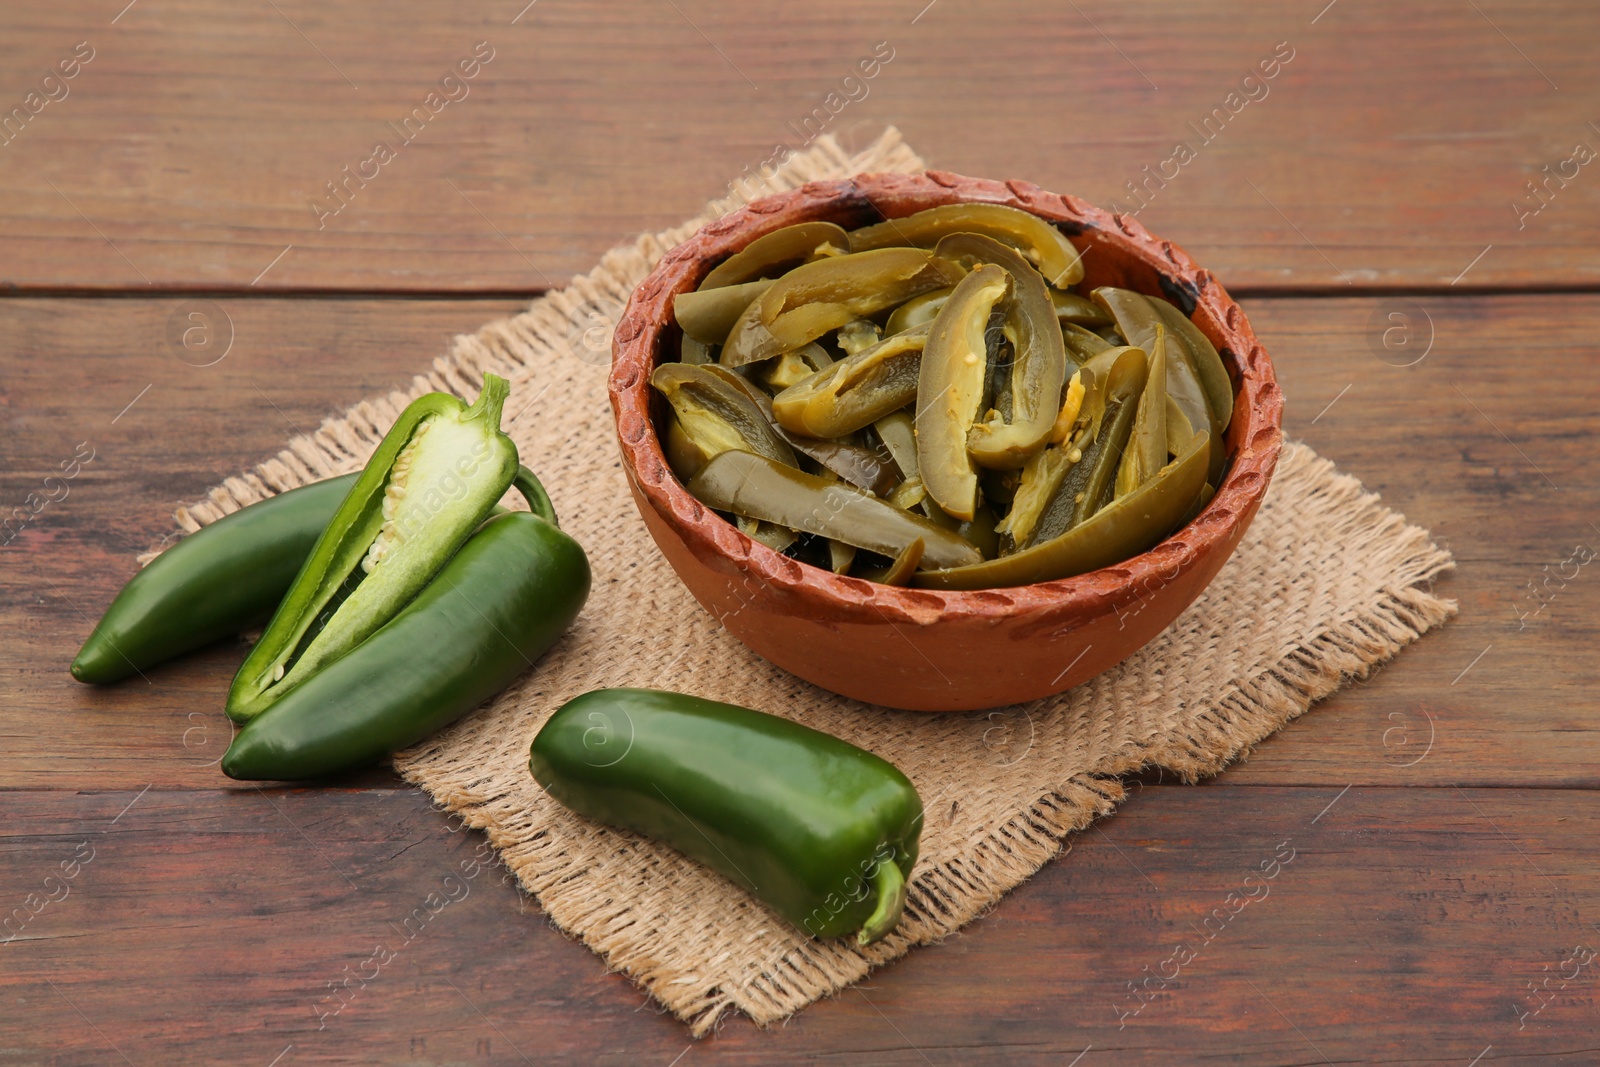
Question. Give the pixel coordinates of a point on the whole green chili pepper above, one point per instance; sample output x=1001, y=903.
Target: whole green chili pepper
x=210, y=585
x=487, y=616
x=1040, y=242
x=432, y=480
x=758, y=488
x=823, y=832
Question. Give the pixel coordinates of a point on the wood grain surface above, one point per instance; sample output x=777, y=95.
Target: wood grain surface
x=1387, y=151
x=1439, y=906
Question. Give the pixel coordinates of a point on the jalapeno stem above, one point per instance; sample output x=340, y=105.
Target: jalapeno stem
x=532, y=491
x=890, y=885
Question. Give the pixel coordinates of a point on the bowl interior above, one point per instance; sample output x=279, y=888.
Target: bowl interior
x=1116, y=251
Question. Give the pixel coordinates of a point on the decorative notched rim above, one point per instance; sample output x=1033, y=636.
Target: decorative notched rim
x=1113, y=244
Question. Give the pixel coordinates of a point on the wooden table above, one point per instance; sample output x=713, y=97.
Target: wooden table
x=1442, y=814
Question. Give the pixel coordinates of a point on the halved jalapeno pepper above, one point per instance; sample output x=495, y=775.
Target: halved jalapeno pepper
x=433, y=479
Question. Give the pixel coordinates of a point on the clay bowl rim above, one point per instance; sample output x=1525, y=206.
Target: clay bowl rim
x=1254, y=436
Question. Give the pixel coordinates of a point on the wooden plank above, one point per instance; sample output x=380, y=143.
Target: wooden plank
x=99, y=376
x=1397, y=925
x=187, y=152
x=1514, y=716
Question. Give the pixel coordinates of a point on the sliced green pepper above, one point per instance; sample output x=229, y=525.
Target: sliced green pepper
x=210, y=585
x=1090, y=484
x=856, y=391
x=826, y=294
x=1138, y=317
x=773, y=254
x=823, y=832
x=1121, y=530
x=747, y=424
x=1082, y=345
x=710, y=314
x=950, y=388
x=756, y=487
x=861, y=467
x=432, y=480
x=1043, y=244
x=717, y=411
x=901, y=568
x=494, y=609
x=1077, y=309
x=1038, y=369
x=1207, y=365
x=695, y=352
x=917, y=310
x=791, y=368
x=899, y=435
x=1146, y=453
x=857, y=335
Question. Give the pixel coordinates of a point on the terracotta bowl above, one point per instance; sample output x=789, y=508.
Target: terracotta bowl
x=917, y=648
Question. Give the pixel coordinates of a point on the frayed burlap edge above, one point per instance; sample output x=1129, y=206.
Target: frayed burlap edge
x=944, y=896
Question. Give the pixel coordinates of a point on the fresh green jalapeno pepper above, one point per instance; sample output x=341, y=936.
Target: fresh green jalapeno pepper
x=758, y=488
x=1121, y=530
x=1038, y=369
x=856, y=391
x=823, y=832
x=950, y=388
x=210, y=585
x=773, y=254
x=432, y=480
x=828, y=293
x=488, y=615
x=709, y=314
x=1042, y=244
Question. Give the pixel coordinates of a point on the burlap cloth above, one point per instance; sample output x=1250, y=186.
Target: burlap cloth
x=1326, y=584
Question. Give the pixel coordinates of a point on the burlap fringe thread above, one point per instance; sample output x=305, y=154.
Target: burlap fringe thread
x=1346, y=582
